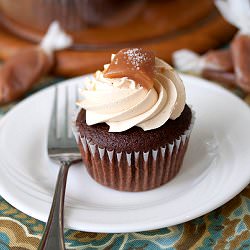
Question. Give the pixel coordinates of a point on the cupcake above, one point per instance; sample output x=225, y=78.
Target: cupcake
x=133, y=125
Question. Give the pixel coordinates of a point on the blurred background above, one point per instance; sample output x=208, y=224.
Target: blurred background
x=101, y=27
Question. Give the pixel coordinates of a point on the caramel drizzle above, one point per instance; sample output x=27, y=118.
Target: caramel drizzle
x=136, y=64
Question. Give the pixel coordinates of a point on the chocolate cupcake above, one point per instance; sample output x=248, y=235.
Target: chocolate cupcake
x=133, y=127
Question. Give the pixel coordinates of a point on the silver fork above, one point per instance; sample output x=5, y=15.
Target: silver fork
x=62, y=149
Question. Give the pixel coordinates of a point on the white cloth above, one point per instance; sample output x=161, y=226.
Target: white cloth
x=188, y=61
x=55, y=39
x=236, y=12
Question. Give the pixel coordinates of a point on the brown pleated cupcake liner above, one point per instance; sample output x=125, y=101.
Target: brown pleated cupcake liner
x=133, y=171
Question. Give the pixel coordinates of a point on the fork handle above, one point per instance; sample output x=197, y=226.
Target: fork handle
x=53, y=237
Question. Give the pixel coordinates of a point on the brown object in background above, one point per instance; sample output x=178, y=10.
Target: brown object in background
x=31, y=18
x=21, y=71
x=240, y=50
x=163, y=26
x=222, y=67
x=227, y=78
x=220, y=59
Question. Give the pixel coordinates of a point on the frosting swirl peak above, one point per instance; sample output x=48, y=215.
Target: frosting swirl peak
x=123, y=102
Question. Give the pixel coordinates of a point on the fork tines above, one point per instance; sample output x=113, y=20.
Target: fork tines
x=60, y=131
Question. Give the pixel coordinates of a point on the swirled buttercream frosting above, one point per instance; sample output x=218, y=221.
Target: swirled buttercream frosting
x=135, y=89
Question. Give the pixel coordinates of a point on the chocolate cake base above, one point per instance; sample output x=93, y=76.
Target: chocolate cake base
x=134, y=160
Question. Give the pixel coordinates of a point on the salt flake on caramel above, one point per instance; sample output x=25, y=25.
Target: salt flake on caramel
x=136, y=64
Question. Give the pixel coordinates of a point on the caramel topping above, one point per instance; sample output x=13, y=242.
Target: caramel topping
x=136, y=64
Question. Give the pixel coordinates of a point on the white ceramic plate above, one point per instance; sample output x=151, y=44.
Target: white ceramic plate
x=216, y=167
